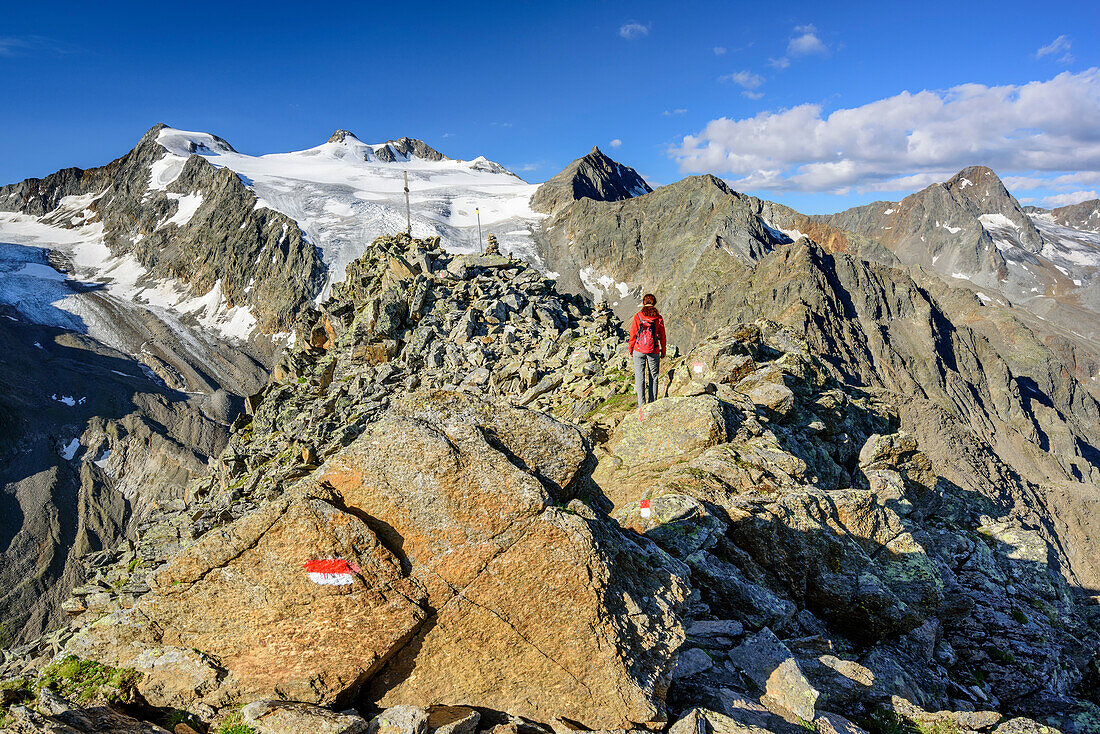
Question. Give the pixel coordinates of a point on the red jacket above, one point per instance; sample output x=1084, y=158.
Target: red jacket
x=636, y=324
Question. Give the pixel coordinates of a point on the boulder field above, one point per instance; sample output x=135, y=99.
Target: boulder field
x=445, y=513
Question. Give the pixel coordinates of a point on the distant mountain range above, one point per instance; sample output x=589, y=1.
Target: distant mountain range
x=161, y=287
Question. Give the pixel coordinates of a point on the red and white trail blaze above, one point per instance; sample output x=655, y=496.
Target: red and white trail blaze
x=644, y=505
x=331, y=571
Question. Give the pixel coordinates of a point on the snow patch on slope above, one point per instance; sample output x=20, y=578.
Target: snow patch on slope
x=1067, y=247
x=165, y=170
x=602, y=286
x=997, y=221
x=75, y=301
x=188, y=204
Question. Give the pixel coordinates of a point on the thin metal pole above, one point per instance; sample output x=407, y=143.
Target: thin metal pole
x=480, y=249
x=408, y=214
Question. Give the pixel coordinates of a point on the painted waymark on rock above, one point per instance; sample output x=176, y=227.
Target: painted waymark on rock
x=331, y=571
x=646, y=511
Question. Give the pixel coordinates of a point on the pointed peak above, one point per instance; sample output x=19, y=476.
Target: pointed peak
x=976, y=175
x=153, y=133
x=340, y=136
x=596, y=177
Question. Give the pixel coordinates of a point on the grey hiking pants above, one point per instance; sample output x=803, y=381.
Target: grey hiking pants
x=646, y=387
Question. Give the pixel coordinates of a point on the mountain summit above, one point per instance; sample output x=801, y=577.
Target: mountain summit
x=341, y=135
x=595, y=176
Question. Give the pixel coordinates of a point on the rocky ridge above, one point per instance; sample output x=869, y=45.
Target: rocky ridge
x=1024, y=394
x=799, y=560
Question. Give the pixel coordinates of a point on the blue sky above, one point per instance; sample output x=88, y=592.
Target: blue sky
x=819, y=106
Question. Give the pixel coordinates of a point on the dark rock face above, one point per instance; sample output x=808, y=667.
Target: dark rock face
x=92, y=443
x=407, y=148
x=340, y=136
x=257, y=256
x=680, y=242
x=596, y=177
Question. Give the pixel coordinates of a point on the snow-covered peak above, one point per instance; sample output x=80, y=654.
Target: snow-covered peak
x=184, y=143
x=344, y=192
x=341, y=135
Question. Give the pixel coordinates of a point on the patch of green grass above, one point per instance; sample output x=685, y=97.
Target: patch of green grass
x=233, y=725
x=84, y=680
x=1001, y=656
x=1020, y=617
x=15, y=692
x=614, y=404
x=884, y=721
x=179, y=716
x=132, y=565
x=940, y=727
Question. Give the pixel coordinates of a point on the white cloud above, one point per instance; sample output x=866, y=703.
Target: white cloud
x=806, y=42
x=746, y=79
x=677, y=111
x=912, y=182
x=719, y=50
x=1060, y=45
x=1039, y=126
x=633, y=30
x=615, y=143
x=1075, y=197
x=32, y=46
x=751, y=94
x=526, y=167
x=1064, y=182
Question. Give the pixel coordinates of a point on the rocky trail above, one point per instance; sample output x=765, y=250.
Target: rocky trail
x=444, y=513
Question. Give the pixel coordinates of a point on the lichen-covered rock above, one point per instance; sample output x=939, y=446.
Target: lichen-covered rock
x=845, y=557
x=289, y=717
x=246, y=596
x=772, y=667
x=400, y=720
x=702, y=721
x=670, y=428
x=519, y=588
x=680, y=524
x=453, y=720
x=56, y=715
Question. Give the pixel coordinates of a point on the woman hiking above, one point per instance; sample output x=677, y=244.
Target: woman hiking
x=647, y=346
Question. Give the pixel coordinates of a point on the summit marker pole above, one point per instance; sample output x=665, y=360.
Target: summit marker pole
x=477, y=211
x=408, y=214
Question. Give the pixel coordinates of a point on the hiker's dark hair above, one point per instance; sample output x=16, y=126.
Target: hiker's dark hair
x=649, y=306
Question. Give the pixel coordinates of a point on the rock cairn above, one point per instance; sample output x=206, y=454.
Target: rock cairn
x=492, y=247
